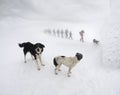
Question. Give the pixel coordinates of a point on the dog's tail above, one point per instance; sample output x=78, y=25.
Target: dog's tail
x=55, y=63
x=21, y=45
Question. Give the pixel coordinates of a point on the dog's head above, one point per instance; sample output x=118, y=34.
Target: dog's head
x=95, y=41
x=79, y=56
x=39, y=48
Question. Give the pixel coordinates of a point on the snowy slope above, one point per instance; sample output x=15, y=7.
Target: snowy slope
x=110, y=37
x=89, y=77
x=25, y=20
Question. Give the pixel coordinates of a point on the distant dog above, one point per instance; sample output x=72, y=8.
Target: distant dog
x=95, y=41
x=35, y=51
x=70, y=62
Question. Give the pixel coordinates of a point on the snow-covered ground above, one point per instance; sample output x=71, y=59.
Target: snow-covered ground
x=110, y=36
x=25, y=20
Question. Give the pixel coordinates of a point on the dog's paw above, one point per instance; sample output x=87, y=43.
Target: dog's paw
x=38, y=69
x=56, y=73
x=43, y=64
x=59, y=69
x=69, y=75
x=25, y=61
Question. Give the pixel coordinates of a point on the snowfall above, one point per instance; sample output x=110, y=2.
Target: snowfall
x=98, y=73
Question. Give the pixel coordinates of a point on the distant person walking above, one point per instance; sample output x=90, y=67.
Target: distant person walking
x=66, y=33
x=81, y=35
x=54, y=33
x=62, y=33
x=70, y=35
x=58, y=33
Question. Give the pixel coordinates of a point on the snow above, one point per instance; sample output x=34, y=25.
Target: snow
x=25, y=20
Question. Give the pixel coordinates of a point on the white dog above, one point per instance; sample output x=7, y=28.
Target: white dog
x=70, y=62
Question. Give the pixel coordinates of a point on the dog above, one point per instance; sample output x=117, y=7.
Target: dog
x=70, y=62
x=35, y=51
x=95, y=41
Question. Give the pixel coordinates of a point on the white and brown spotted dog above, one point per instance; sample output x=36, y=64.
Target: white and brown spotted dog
x=35, y=51
x=70, y=62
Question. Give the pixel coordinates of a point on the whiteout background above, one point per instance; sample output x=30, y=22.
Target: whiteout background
x=25, y=20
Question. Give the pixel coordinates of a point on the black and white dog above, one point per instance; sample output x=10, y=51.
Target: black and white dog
x=95, y=41
x=70, y=62
x=35, y=51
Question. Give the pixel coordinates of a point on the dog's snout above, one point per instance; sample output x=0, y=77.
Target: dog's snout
x=38, y=49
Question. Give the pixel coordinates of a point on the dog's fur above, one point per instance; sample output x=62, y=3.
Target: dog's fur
x=35, y=51
x=70, y=62
x=95, y=41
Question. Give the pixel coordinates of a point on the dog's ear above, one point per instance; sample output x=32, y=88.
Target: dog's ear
x=76, y=54
x=43, y=46
x=39, y=45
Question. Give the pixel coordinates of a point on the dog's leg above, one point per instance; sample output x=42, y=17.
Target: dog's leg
x=25, y=59
x=41, y=60
x=69, y=72
x=25, y=52
x=37, y=61
x=57, y=68
x=32, y=57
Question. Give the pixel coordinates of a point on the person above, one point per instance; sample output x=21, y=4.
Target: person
x=54, y=33
x=62, y=33
x=66, y=33
x=58, y=32
x=70, y=35
x=81, y=35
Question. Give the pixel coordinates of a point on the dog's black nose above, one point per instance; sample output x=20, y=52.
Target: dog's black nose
x=38, y=49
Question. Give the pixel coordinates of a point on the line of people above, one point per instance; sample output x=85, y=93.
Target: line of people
x=67, y=34
x=60, y=33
